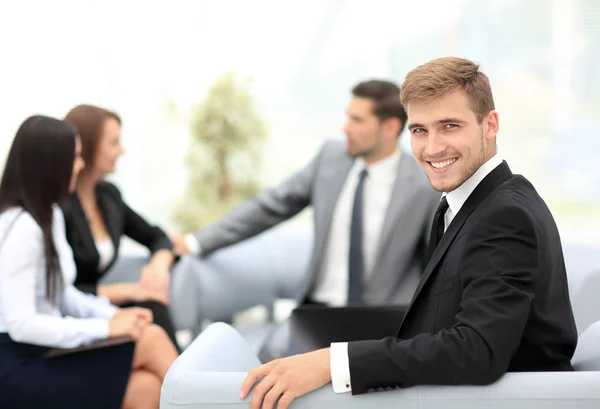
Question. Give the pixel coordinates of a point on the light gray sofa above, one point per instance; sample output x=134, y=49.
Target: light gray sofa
x=273, y=265
x=257, y=271
x=583, y=272
x=210, y=372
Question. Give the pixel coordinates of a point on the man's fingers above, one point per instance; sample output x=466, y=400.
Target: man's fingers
x=285, y=400
x=261, y=390
x=271, y=396
x=251, y=378
x=247, y=384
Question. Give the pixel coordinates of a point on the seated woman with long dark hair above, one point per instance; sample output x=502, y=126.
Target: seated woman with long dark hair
x=41, y=310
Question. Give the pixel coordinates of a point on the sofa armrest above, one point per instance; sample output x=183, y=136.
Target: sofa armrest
x=254, y=272
x=209, y=374
x=195, y=390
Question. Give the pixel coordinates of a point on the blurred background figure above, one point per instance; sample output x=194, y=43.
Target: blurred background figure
x=40, y=309
x=370, y=238
x=97, y=217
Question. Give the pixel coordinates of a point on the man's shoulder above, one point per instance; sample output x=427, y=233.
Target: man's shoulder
x=515, y=199
x=333, y=148
x=517, y=191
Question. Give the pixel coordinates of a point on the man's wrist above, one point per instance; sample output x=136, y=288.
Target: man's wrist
x=340, y=367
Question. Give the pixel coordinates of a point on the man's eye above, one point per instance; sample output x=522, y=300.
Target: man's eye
x=450, y=126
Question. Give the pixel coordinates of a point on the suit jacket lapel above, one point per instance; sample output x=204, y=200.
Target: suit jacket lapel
x=494, y=179
x=81, y=223
x=399, y=202
x=109, y=212
x=333, y=179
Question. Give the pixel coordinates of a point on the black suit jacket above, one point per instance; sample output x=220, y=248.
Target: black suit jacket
x=493, y=298
x=120, y=220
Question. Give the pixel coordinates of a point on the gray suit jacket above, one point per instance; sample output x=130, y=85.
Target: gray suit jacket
x=401, y=255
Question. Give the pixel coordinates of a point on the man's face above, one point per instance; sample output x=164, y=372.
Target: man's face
x=448, y=141
x=362, y=128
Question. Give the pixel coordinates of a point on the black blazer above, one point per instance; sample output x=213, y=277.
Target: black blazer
x=119, y=219
x=493, y=298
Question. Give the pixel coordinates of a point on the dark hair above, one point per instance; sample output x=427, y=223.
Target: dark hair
x=89, y=121
x=386, y=99
x=36, y=176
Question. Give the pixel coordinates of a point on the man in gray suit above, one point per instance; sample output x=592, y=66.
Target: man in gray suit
x=372, y=204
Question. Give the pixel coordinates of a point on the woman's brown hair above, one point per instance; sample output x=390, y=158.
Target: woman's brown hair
x=89, y=121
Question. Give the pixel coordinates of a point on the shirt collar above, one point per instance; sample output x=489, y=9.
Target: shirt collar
x=383, y=169
x=457, y=198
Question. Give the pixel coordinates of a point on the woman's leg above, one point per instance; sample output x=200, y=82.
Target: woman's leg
x=143, y=391
x=162, y=318
x=154, y=352
x=128, y=269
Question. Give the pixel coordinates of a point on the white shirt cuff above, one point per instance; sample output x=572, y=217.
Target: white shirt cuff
x=192, y=244
x=100, y=330
x=107, y=310
x=340, y=367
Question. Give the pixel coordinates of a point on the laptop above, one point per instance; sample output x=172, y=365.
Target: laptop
x=316, y=327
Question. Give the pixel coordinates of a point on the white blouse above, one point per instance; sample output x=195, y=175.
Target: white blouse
x=25, y=312
x=106, y=251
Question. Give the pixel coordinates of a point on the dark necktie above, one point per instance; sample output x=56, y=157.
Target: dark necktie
x=356, y=262
x=437, y=229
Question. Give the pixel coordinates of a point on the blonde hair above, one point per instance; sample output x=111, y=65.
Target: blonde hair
x=445, y=75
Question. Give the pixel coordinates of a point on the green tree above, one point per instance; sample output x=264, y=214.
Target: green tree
x=224, y=157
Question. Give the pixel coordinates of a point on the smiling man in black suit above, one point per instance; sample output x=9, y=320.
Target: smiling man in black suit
x=494, y=295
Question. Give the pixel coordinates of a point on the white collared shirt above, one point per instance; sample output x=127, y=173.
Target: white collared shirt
x=26, y=314
x=339, y=362
x=331, y=286
x=457, y=198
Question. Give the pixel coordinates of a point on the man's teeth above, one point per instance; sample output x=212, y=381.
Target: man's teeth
x=440, y=165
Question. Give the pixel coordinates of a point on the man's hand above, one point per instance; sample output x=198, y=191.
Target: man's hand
x=286, y=379
x=179, y=246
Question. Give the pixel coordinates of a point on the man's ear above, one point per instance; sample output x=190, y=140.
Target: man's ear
x=491, y=125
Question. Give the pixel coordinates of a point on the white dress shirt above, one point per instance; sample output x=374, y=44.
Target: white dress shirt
x=25, y=312
x=331, y=285
x=457, y=198
x=339, y=362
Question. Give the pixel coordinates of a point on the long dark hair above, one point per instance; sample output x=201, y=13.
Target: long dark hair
x=36, y=176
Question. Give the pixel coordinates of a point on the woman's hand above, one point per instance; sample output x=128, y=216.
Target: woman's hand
x=129, y=322
x=155, y=282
